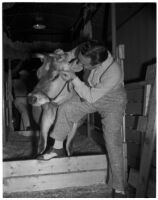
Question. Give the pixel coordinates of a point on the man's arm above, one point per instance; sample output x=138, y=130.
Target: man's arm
x=108, y=82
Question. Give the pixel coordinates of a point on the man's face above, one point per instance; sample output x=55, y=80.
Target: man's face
x=86, y=62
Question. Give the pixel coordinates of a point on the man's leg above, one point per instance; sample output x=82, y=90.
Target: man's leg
x=112, y=122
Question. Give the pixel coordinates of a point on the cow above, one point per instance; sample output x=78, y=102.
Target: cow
x=50, y=92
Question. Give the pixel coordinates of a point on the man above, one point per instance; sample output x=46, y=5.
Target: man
x=104, y=94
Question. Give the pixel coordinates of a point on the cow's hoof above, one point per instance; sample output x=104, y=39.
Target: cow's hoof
x=52, y=153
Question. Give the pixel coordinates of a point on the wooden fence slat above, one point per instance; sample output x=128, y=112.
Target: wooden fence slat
x=51, y=181
x=142, y=123
x=57, y=165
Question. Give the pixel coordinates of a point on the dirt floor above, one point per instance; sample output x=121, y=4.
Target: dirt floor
x=19, y=147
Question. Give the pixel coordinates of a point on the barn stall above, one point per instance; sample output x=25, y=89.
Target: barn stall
x=84, y=174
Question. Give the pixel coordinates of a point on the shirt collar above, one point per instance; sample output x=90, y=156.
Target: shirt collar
x=108, y=61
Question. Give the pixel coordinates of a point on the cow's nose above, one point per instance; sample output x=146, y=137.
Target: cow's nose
x=32, y=99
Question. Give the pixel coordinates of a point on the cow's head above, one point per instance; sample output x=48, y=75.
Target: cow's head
x=51, y=85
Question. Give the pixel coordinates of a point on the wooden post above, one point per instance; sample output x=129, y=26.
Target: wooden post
x=120, y=59
x=10, y=98
x=148, y=147
x=113, y=29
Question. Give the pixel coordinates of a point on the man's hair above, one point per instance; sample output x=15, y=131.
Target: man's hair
x=94, y=50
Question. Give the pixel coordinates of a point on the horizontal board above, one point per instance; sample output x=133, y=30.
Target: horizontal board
x=134, y=108
x=50, y=181
x=54, y=166
x=135, y=85
x=27, y=133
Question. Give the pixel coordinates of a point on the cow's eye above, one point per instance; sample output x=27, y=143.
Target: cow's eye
x=72, y=60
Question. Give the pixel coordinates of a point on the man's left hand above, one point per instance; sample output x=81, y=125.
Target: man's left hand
x=67, y=76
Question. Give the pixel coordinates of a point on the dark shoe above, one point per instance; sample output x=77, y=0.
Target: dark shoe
x=52, y=153
x=118, y=194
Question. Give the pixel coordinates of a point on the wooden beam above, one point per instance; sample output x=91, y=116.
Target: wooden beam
x=149, y=145
x=113, y=26
x=36, y=175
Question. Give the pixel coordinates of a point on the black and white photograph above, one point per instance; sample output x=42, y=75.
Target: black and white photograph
x=78, y=99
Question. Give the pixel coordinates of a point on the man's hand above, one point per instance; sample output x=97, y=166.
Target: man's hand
x=67, y=76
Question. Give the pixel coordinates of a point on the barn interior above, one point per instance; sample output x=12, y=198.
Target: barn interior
x=129, y=32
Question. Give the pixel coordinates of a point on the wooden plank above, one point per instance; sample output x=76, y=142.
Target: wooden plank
x=133, y=177
x=135, y=85
x=146, y=98
x=151, y=74
x=134, y=108
x=113, y=29
x=56, y=165
x=27, y=133
x=53, y=181
x=142, y=123
x=148, y=147
x=10, y=97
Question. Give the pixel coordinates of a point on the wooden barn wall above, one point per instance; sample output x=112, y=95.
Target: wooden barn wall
x=139, y=36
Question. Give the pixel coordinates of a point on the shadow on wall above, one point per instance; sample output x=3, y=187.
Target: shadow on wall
x=142, y=71
x=144, y=67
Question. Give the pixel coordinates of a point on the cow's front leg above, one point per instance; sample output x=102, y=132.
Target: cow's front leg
x=48, y=118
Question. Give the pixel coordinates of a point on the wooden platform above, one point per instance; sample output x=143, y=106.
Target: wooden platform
x=34, y=175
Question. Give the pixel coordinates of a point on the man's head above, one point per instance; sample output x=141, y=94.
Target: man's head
x=92, y=54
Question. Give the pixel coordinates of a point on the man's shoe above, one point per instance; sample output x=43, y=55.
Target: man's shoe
x=52, y=153
x=118, y=194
